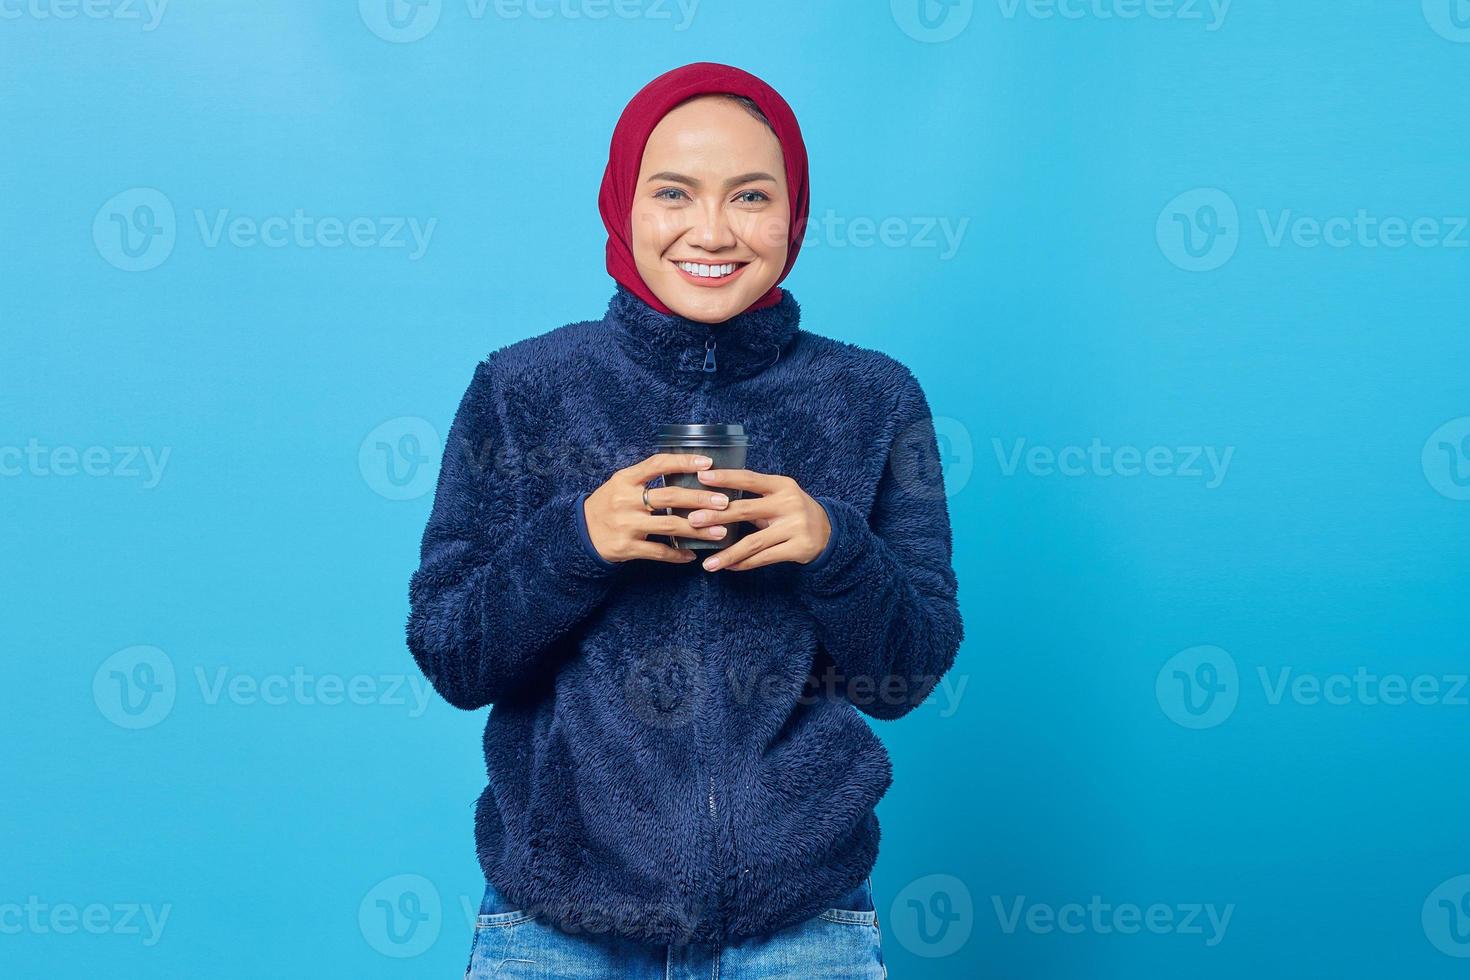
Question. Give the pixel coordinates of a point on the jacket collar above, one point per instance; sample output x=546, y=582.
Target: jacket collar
x=675, y=347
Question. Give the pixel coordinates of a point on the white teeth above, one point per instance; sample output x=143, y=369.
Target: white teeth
x=707, y=271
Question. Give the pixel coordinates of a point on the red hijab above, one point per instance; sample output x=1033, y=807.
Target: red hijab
x=625, y=156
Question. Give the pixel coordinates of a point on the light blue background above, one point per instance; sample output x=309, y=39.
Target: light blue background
x=1070, y=766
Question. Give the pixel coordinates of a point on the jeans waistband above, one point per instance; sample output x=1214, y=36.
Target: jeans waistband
x=860, y=899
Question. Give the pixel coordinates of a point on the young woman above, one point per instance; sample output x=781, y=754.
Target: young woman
x=680, y=783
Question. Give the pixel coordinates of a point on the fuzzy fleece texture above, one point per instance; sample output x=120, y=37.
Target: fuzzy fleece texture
x=677, y=755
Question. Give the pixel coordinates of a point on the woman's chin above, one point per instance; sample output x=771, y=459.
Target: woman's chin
x=708, y=304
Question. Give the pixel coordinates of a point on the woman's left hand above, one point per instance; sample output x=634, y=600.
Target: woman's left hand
x=793, y=526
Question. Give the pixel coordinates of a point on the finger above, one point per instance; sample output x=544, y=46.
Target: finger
x=689, y=497
x=741, y=480
x=660, y=463
x=676, y=525
x=785, y=551
x=654, y=551
x=747, y=546
x=745, y=509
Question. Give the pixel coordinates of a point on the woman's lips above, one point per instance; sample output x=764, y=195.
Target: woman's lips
x=711, y=280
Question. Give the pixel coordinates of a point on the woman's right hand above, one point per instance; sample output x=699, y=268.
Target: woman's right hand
x=619, y=524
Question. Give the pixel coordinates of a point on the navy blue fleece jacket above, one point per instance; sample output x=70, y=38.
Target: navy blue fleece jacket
x=676, y=755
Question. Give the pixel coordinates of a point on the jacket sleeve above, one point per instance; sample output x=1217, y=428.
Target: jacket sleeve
x=883, y=592
x=500, y=582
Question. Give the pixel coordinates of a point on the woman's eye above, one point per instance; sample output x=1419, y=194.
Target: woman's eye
x=669, y=190
x=744, y=197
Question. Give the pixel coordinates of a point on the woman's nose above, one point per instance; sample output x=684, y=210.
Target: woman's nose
x=711, y=230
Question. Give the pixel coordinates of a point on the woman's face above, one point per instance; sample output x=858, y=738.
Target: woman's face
x=711, y=191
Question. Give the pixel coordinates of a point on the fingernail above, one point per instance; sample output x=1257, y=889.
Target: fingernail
x=702, y=461
x=718, y=499
x=710, y=564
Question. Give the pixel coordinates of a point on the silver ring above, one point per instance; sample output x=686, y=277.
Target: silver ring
x=645, y=501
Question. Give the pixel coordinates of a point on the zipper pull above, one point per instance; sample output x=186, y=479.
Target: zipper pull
x=709, y=354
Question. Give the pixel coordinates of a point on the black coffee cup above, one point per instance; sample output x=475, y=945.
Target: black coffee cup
x=725, y=443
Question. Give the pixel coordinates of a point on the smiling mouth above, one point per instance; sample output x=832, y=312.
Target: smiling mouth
x=713, y=271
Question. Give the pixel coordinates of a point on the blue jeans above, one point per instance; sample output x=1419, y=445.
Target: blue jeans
x=840, y=942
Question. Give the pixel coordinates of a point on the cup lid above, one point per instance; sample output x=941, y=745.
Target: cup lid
x=719, y=433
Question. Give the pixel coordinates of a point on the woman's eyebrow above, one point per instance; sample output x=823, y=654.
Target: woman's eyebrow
x=682, y=179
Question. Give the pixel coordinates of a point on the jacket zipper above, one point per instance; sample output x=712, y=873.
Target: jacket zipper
x=714, y=866
x=714, y=813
